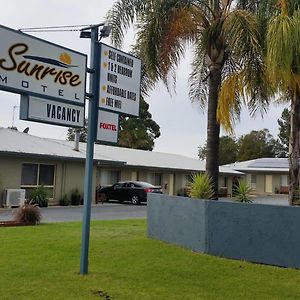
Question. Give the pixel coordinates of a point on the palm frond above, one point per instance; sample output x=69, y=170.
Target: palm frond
x=162, y=36
x=229, y=105
x=122, y=15
x=198, y=79
x=242, y=35
x=281, y=46
x=244, y=42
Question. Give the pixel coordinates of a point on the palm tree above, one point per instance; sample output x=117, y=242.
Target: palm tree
x=224, y=36
x=283, y=60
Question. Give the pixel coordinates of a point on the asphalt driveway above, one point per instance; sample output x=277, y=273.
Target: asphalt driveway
x=115, y=211
x=106, y=211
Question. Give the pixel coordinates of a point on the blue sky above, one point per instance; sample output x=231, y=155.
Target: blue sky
x=183, y=124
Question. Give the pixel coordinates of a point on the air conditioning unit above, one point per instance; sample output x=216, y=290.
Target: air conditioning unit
x=15, y=197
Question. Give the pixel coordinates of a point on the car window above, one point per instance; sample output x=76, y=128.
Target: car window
x=129, y=185
x=118, y=185
x=145, y=185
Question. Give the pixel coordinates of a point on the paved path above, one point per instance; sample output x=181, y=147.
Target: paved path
x=269, y=199
x=272, y=200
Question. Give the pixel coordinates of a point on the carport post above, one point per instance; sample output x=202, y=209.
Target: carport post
x=91, y=135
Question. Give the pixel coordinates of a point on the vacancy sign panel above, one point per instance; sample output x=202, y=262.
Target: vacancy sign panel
x=51, y=112
x=120, y=81
x=33, y=66
x=107, y=127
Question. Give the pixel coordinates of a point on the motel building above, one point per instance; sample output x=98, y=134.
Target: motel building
x=28, y=161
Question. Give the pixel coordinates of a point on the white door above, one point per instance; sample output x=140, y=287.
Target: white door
x=268, y=184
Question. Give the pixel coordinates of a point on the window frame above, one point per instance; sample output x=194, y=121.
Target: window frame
x=33, y=186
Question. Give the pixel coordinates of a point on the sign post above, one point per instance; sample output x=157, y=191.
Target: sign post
x=88, y=178
x=51, y=80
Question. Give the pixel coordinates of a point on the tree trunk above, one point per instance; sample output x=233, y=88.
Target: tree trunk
x=294, y=151
x=213, y=128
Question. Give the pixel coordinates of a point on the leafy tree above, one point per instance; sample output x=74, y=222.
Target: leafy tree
x=135, y=132
x=283, y=62
x=225, y=38
x=256, y=144
x=82, y=133
x=202, y=151
x=139, y=133
x=284, y=131
x=228, y=150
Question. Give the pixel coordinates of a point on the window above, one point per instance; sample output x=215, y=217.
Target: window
x=284, y=180
x=119, y=185
x=114, y=176
x=46, y=175
x=29, y=174
x=253, y=182
x=35, y=175
x=225, y=182
x=156, y=179
x=188, y=178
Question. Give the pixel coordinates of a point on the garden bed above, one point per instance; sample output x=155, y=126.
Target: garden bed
x=12, y=223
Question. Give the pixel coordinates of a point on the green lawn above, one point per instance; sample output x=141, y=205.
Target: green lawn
x=42, y=262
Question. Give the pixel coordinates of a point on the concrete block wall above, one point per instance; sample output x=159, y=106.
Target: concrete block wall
x=172, y=219
x=254, y=232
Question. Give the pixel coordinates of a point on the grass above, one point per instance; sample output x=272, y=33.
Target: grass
x=42, y=262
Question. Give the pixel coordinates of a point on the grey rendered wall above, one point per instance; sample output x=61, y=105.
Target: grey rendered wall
x=259, y=233
x=172, y=219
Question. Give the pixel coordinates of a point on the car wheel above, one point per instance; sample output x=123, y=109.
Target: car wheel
x=135, y=200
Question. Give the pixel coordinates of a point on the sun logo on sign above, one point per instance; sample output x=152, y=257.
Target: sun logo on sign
x=66, y=58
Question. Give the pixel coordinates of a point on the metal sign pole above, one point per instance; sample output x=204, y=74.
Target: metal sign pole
x=92, y=125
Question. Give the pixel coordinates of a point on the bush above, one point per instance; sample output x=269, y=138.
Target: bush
x=200, y=187
x=28, y=214
x=38, y=196
x=242, y=192
x=75, y=197
x=64, y=201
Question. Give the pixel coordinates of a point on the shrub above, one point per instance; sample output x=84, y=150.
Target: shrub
x=39, y=196
x=64, y=201
x=200, y=186
x=75, y=197
x=28, y=214
x=242, y=192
